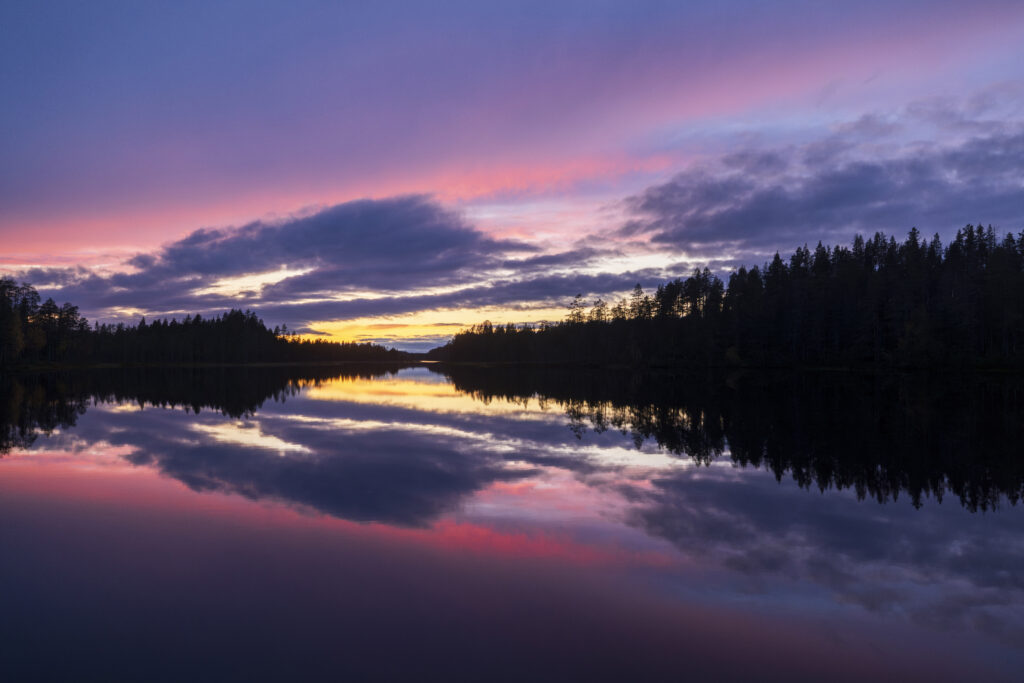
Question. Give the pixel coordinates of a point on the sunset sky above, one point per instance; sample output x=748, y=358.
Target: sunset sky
x=392, y=171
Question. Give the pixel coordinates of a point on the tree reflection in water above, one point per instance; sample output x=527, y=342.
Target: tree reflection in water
x=880, y=435
x=920, y=435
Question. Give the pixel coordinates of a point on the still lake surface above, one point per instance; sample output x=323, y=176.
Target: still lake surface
x=481, y=523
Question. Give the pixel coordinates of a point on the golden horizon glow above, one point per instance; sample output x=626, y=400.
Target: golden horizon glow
x=426, y=396
x=428, y=324
x=441, y=397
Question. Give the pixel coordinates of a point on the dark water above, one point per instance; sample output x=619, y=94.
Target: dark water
x=497, y=524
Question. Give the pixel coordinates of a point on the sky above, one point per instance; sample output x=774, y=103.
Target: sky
x=394, y=171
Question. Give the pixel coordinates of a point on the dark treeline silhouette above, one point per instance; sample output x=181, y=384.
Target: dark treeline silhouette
x=878, y=435
x=43, y=332
x=34, y=403
x=877, y=302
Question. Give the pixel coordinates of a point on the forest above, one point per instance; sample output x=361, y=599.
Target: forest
x=880, y=435
x=43, y=333
x=877, y=302
x=926, y=436
x=41, y=403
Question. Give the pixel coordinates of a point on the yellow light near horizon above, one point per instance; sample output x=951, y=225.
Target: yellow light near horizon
x=426, y=395
x=435, y=323
x=420, y=394
x=428, y=324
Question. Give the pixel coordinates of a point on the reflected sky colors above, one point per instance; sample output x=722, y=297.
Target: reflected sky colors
x=393, y=171
x=371, y=526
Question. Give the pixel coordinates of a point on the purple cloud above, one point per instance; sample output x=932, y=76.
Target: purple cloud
x=756, y=202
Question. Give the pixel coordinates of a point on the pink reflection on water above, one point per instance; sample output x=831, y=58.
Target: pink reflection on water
x=530, y=588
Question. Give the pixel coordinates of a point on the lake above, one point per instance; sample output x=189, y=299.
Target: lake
x=489, y=523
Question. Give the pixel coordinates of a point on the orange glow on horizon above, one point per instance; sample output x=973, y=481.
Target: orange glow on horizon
x=428, y=324
x=425, y=396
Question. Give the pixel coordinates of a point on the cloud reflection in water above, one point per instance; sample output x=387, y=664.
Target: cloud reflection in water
x=408, y=451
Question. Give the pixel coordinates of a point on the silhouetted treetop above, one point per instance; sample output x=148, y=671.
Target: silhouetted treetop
x=34, y=403
x=877, y=303
x=33, y=332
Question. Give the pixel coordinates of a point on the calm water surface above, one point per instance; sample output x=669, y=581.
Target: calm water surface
x=490, y=524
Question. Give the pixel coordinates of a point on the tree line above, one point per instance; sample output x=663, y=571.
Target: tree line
x=918, y=303
x=40, y=403
x=881, y=435
x=41, y=332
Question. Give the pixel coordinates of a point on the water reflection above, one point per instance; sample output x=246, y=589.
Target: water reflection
x=657, y=480
x=877, y=435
